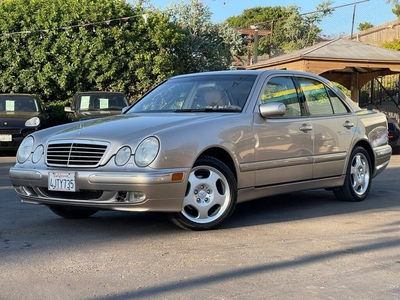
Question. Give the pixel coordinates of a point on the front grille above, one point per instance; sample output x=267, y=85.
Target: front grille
x=9, y=145
x=75, y=153
x=10, y=131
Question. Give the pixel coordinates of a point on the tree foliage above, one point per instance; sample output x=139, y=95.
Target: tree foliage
x=364, y=26
x=394, y=45
x=56, y=47
x=396, y=10
x=207, y=47
x=265, y=19
x=290, y=29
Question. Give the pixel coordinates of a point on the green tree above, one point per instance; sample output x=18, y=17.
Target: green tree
x=207, y=46
x=265, y=18
x=364, y=26
x=290, y=29
x=396, y=10
x=56, y=47
x=301, y=30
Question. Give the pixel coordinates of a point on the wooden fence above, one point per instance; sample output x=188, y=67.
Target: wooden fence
x=376, y=35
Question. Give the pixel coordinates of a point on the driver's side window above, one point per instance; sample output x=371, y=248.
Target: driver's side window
x=282, y=89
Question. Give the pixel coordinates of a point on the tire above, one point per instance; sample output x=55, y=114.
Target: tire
x=68, y=212
x=358, y=177
x=211, y=196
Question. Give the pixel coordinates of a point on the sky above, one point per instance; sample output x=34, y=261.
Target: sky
x=374, y=11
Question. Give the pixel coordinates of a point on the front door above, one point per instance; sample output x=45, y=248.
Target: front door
x=284, y=145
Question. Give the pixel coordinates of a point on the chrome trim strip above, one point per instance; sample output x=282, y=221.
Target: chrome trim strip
x=256, y=166
x=118, y=178
x=330, y=157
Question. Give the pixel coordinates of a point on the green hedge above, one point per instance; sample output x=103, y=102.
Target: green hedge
x=58, y=116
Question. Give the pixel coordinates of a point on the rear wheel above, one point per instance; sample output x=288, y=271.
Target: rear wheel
x=210, y=198
x=68, y=212
x=358, y=177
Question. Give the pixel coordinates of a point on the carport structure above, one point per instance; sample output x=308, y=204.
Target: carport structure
x=349, y=63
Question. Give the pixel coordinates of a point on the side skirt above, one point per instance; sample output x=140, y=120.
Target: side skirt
x=266, y=191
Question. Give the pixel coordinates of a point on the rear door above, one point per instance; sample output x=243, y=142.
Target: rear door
x=333, y=126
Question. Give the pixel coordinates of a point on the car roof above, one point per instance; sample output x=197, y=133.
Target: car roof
x=18, y=95
x=251, y=72
x=99, y=92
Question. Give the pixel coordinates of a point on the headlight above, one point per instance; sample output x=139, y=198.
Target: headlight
x=37, y=154
x=122, y=156
x=25, y=149
x=147, y=151
x=32, y=122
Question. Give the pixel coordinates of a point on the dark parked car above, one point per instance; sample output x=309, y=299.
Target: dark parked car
x=20, y=115
x=394, y=132
x=95, y=104
x=197, y=144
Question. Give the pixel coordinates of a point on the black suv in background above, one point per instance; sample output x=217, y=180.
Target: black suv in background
x=20, y=115
x=95, y=104
x=393, y=131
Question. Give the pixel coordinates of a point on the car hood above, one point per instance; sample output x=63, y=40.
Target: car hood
x=92, y=114
x=126, y=128
x=16, y=118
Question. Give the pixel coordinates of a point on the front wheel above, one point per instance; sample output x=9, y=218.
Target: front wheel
x=210, y=197
x=358, y=177
x=68, y=212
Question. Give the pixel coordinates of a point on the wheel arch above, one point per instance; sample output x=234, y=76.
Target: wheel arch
x=222, y=155
x=364, y=144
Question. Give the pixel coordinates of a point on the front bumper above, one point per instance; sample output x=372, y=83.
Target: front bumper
x=106, y=190
x=17, y=136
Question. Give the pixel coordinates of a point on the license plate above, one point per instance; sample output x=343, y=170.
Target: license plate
x=5, y=138
x=62, y=181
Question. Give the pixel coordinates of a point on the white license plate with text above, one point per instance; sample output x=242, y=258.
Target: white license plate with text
x=5, y=138
x=62, y=181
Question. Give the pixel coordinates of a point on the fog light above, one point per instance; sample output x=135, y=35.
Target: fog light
x=24, y=190
x=136, y=196
x=19, y=189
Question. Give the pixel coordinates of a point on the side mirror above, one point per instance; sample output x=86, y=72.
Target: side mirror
x=68, y=109
x=272, y=109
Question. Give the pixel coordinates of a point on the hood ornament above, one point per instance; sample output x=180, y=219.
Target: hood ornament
x=80, y=128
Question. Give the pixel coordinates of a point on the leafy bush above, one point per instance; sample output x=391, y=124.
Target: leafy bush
x=394, y=45
x=57, y=115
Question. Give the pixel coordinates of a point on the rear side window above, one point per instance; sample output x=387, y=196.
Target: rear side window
x=320, y=100
x=282, y=89
x=338, y=106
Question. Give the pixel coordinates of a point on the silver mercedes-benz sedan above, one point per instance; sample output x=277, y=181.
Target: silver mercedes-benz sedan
x=198, y=144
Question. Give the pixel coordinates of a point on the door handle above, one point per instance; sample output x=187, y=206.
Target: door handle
x=348, y=124
x=305, y=127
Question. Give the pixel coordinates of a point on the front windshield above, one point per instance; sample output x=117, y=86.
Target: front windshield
x=18, y=103
x=101, y=101
x=198, y=93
